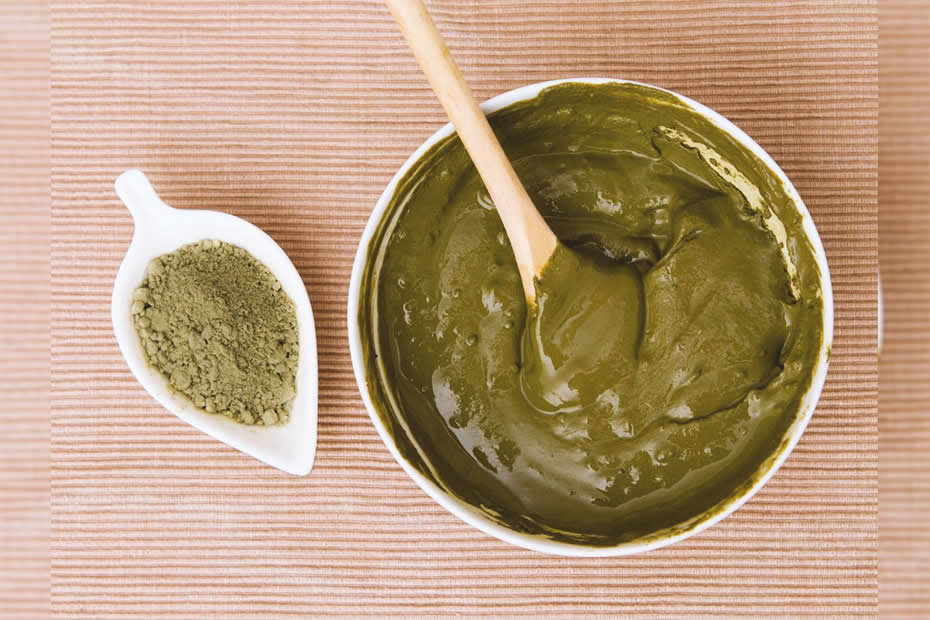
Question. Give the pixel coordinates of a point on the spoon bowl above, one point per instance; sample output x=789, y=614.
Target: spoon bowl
x=160, y=229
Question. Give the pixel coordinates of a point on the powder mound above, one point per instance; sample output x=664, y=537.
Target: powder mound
x=215, y=322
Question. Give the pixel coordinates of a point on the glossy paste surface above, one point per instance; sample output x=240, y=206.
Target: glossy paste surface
x=676, y=331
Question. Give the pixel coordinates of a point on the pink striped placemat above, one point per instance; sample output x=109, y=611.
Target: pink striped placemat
x=294, y=115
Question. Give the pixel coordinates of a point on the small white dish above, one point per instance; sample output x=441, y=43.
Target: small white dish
x=160, y=229
x=479, y=519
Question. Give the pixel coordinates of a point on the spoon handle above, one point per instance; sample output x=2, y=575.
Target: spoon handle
x=532, y=240
x=134, y=189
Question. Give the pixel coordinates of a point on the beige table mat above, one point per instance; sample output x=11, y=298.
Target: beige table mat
x=24, y=311
x=294, y=115
x=904, y=397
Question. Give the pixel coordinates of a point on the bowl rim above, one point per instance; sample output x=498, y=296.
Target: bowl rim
x=667, y=536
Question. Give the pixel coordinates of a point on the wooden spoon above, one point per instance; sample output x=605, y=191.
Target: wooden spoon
x=532, y=240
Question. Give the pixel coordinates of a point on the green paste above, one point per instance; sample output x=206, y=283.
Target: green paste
x=216, y=324
x=676, y=330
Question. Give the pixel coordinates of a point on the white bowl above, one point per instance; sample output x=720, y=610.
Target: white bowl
x=160, y=229
x=480, y=520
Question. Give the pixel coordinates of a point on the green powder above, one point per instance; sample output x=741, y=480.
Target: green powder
x=214, y=321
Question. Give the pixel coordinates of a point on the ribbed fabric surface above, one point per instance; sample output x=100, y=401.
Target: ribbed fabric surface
x=904, y=397
x=295, y=115
x=24, y=311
